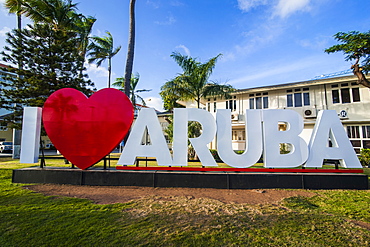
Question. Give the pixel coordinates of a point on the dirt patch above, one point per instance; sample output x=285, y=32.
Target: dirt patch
x=122, y=194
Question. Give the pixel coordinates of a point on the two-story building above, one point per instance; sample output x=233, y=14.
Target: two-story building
x=342, y=94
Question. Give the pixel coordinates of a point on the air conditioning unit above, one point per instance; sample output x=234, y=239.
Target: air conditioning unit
x=309, y=112
x=234, y=116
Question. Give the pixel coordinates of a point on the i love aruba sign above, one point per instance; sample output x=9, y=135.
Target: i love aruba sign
x=85, y=130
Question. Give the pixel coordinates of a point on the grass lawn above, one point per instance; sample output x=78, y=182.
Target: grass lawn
x=330, y=218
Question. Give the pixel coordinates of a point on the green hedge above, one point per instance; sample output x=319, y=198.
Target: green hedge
x=365, y=157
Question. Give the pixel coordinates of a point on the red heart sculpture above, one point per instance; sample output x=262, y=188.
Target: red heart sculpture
x=85, y=129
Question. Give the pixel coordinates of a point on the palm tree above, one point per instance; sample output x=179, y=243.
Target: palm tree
x=100, y=49
x=83, y=27
x=134, y=93
x=193, y=83
x=60, y=15
x=130, y=49
x=16, y=7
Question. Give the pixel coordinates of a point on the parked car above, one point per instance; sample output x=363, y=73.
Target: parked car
x=6, y=147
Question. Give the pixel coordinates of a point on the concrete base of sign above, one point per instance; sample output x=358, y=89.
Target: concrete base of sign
x=219, y=180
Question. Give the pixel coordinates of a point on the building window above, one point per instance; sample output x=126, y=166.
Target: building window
x=231, y=104
x=359, y=136
x=265, y=102
x=299, y=98
x=366, y=132
x=353, y=131
x=343, y=94
x=335, y=95
x=251, y=103
x=258, y=101
x=356, y=94
x=289, y=99
x=238, y=135
x=214, y=107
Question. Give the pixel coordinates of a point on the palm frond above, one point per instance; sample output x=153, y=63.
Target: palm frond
x=186, y=63
x=120, y=84
x=193, y=83
x=213, y=89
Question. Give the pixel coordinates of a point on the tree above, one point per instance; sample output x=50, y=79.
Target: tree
x=130, y=49
x=193, y=83
x=50, y=61
x=16, y=7
x=134, y=93
x=355, y=46
x=101, y=49
x=83, y=28
x=59, y=15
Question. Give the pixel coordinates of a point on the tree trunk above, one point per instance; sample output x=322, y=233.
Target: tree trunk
x=17, y=133
x=109, y=71
x=19, y=21
x=130, y=55
x=361, y=79
x=130, y=50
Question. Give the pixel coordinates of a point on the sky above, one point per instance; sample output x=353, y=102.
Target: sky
x=262, y=42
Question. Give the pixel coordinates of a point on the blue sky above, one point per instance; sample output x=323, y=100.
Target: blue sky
x=263, y=42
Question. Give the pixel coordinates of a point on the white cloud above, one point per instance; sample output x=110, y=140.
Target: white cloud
x=277, y=72
x=258, y=38
x=3, y=10
x=287, y=7
x=177, y=3
x=154, y=4
x=315, y=43
x=269, y=72
x=228, y=56
x=265, y=33
x=4, y=30
x=154, y=102
x=169, y=21
x=96, y=71
x=186, y=50
x=98, y=32
x=280, y=8
x=246, y=5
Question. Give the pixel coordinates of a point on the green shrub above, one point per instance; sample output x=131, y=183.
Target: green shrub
x=284, y=148
x=365, y=157
x=215, y=154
